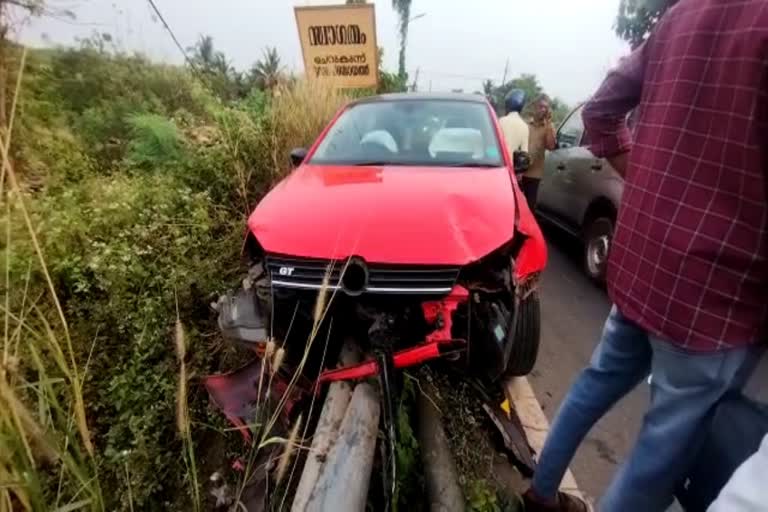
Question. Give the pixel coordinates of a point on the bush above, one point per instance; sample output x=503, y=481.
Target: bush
x=122, y=251
x=154, y=141
x=137, y=182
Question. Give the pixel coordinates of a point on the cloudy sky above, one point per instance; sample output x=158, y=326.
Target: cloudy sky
x=568, y=44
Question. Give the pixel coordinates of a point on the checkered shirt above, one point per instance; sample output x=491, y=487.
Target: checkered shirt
x=689, y=259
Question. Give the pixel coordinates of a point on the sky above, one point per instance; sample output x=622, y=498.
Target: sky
x=568, y=44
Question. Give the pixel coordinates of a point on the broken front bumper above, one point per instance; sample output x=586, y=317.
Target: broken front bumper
x=438, y=343
x=241, y=316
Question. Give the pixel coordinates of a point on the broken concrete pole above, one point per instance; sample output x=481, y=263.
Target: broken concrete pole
x=334, y=408
x=439, y=468
x=344, y=478
x=336, y=402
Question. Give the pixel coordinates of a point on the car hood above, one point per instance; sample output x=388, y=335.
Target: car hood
x=388, y=214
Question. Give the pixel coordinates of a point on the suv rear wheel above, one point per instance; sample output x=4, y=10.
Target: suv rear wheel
x=525, y=346
x=597, y=241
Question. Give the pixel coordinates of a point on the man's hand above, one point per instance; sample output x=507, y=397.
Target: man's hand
x=619, y=162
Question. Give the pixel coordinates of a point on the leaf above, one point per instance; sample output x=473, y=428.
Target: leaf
x=73, y=506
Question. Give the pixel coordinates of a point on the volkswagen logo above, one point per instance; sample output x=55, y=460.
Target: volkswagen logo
x=354, y=278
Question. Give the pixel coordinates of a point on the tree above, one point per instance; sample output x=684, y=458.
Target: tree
x=218, y=73
x=207, y=58
x=560, y=109
x=266, y=72
x=403, y=10
x=13, y=12
x=390, y=82
x=533, y=89
x=488, y=88
x=496, y=94
x=637, y=18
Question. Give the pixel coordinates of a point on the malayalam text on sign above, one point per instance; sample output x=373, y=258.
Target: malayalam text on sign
x=338, y=43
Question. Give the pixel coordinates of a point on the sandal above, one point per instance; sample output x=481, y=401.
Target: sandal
x=565, y=503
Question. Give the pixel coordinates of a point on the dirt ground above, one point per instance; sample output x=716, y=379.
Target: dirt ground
x=489, y=481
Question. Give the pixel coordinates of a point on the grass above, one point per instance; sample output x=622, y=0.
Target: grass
x=183, y=424
x=55, y=440
x=48, y=459
x=273, y=360
x=299, y=112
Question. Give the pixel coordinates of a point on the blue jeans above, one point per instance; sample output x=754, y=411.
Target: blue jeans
x=684, y=389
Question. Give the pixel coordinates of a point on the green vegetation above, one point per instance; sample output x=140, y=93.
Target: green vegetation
x=124, y=198
x=637, y=18
x=410, y=481
x=528, y=83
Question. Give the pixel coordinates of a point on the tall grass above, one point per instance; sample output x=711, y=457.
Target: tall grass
x=182, y=413
x=300, y=110
x=267, y=419
x=54, y=440
x=47, y=457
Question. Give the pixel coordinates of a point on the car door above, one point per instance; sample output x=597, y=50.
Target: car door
x=580, y=177
x=562, y=168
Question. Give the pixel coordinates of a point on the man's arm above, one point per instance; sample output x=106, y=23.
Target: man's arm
x=605, y=114
x=550, y=138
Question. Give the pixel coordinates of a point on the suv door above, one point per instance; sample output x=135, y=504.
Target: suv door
x=565, y=170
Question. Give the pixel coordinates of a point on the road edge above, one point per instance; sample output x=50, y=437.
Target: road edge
x=521, y=395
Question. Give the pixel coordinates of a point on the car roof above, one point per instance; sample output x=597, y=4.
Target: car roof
x=421, y=96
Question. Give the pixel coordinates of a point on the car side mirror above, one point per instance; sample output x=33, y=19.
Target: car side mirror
x=297, y=156
x=521, y=161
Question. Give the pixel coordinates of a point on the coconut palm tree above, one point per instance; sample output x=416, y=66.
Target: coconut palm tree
x=403, y=10
x=266, y=72
x=205, y=56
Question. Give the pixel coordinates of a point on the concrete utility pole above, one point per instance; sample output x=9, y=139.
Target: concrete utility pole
x=415, y=80
x=504, y=77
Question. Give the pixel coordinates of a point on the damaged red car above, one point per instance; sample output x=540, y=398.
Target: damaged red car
x=406, y=212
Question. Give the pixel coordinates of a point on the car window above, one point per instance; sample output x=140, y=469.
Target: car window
x=571, y=131
x=412, y=132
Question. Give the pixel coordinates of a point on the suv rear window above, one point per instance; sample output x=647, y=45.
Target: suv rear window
x=412, y=132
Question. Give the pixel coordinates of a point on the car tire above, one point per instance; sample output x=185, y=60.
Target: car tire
x=525, y=348
x=598, y=235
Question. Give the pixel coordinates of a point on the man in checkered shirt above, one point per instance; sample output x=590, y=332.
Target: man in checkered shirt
x=688, y=269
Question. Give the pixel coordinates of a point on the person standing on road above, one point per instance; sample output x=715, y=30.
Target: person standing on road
x=513, y=126
x=541, y=138
x=688, y=267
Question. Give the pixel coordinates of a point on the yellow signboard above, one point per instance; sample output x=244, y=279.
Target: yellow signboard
x=339, y=44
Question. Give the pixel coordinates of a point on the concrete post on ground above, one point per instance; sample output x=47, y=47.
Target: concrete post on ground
x=342, y=485
x=439, y=468
x=331, y=417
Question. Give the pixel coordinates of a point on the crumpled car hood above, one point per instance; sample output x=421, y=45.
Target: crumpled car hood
x=388, y=214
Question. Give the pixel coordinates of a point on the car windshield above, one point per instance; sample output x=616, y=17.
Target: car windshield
x=412, y=132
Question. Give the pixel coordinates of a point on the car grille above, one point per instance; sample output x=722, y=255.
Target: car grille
x=307, y=273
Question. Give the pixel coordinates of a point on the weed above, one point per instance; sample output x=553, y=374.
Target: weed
x=155, y=141
x=482, y=497
x=124, y=197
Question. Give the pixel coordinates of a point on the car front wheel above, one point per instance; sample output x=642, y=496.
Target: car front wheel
x=597, y=241
x=525, y=344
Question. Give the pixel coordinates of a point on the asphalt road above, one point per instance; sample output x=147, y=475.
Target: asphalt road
x=573, y=312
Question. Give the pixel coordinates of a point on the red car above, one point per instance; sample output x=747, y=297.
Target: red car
x=406, y=209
